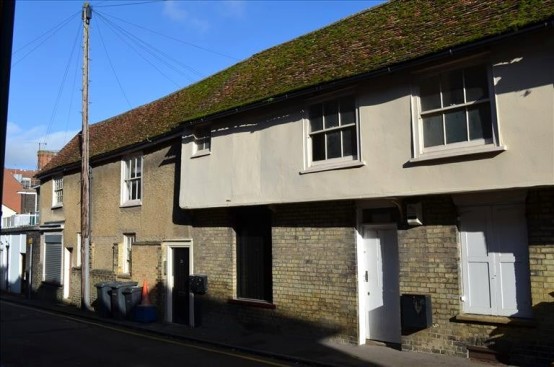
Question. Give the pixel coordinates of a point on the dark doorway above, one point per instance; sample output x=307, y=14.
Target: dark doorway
x=254, y=272
x=181, y=271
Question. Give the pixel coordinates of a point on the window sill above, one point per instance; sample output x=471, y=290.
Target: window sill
x=457, y=152
x=332, y=166
x=199, y=154
x=494, y=320
x=131, y=204
x=251, y=303
x=57, y=206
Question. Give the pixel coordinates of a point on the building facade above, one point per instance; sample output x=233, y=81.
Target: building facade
x=401, y=193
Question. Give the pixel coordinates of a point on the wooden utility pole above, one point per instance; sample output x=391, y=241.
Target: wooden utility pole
x=85, y=166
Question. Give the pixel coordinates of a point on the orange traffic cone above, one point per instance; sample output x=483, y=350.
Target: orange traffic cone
x=145, y=299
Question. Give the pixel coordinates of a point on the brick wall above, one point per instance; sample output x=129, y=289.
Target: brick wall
x=429, y=258
x=146, y=266
x=429, y=264
x=314, y=267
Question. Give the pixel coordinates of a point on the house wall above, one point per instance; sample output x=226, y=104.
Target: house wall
x=429, y=264
x=158, y=218
x=259, y=158
x=314, y=268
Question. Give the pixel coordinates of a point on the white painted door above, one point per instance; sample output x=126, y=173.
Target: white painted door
x=66, y=272
x=381, y=287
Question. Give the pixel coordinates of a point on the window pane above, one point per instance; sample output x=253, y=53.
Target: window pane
x=476, y=83
x=456, y=129
x=347, y=111
x=316, y=119
x=429, y=92
x=432, y=131
x=331, y=111
x=318, y=147
x=452, y=88
x=349, y=146
x=480, y=125
x=333, y=145
x=139, y=167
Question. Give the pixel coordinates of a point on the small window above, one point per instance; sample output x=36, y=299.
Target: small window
x=126, y=258
x=454, y=111
x=333, y=131
x=202, y=141
x=131, y=186
x=57, y=193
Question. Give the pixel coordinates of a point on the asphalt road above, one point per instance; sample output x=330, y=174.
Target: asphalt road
x=32, y=337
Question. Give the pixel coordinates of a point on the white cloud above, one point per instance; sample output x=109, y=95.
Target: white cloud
x=234, y=8
x=22, y=144
x=175, y=11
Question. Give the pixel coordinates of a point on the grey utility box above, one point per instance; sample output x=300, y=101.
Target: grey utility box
x=417, y=312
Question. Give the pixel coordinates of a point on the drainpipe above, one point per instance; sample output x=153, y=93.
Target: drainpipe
x=30, y=279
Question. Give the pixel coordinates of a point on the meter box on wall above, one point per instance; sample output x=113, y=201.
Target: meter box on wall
x=417, y=312
x=198, y=283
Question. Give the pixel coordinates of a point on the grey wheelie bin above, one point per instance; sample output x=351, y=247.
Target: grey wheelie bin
x=118, y=300
x=103, y=301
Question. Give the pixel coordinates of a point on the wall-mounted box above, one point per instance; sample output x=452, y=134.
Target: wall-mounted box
x=417, y=311
x=198, y=283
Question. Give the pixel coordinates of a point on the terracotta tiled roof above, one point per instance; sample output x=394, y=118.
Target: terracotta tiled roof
x=11, y=187
x=389, y=34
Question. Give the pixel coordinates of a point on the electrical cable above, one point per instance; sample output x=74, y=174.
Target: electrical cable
x=128, y=4
x=112, y=67
x=153, y=51
x=173, y=38
x=61, y=87
x=53, y=31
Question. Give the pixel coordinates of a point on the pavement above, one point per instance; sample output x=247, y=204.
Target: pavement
x=290, y=347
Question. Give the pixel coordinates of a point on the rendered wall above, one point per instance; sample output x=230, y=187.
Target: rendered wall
x=258, y=157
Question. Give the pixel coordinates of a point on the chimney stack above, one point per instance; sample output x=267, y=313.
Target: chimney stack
x=44, y=156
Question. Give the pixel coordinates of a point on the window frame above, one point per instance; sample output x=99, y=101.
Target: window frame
x=483, y=145
x=202, y=141
x=57, y=192
x=344, y=161
x=498, y=255
x=126, y=199
x=126, y=253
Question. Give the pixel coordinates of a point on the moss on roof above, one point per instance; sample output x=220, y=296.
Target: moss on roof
x=385, y=35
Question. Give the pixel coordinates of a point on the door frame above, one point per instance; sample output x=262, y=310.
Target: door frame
x=66, y=272
x=362, y=264
x=171, y=245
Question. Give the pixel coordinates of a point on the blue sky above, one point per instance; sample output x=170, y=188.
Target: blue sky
x=140, y=51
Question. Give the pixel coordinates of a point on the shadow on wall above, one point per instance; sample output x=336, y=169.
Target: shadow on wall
x=527, y=345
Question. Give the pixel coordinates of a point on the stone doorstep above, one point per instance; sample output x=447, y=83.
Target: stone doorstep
x=484, y=354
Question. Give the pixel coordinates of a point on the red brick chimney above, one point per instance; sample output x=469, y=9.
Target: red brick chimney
x=44, y=156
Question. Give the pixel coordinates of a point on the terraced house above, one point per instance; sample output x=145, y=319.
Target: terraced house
x=388, y=177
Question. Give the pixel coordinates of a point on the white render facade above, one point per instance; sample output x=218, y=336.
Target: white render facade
x=264, y=157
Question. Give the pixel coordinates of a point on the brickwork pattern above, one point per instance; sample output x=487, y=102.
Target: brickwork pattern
x=429, y=264
x=314, y=266
x=214, y=251
x=429, y=258
x=146, y=266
